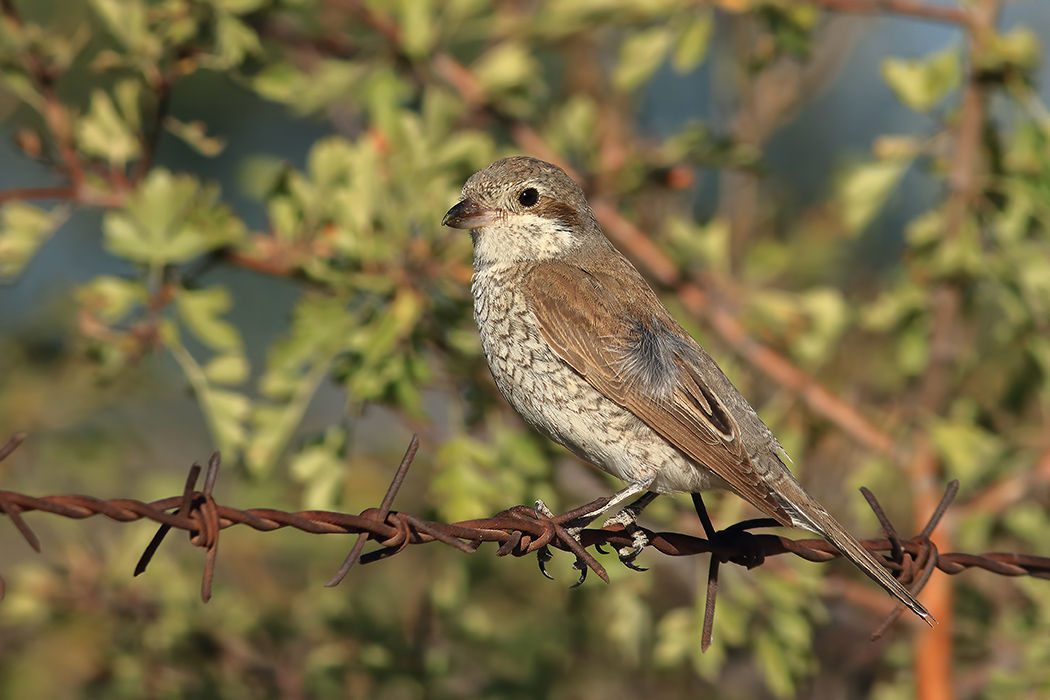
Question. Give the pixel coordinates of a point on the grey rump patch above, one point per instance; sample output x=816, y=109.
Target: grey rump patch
x=648, y=359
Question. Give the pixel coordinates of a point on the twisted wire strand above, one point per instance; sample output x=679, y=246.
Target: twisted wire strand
x=520, y=531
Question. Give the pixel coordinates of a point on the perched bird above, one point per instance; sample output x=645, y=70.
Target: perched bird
x=585, y=352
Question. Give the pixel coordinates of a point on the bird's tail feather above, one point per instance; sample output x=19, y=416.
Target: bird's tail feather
x=812, y=516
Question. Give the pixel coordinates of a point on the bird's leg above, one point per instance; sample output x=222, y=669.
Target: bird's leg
x=705, y=519
x=628, y=517
x=576, y=525
x=748, y=546
x=587, y=517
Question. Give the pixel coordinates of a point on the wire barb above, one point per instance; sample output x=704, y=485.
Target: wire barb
x=520, y=531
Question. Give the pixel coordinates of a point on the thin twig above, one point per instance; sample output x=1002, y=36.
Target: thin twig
x=907, y=8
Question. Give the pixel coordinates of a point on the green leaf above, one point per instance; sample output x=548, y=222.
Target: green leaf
x=506, y=66
x=202, y=310
x=195, y=135
x=773, y=661
x=640, y=55
x=863, y=190
x=894, y=306
x=230, y=368
x=22, y=87
x=922, y=84
x=111, y=298
x=309, y=92
x=706, y=245
x=235, y=41
x=226, y=413
x=913, y=348
x=127, y=22
x=321, y=469
x=1018, y=48
x=238, y=7
x=295, y=367
x=418, y=22
x=23, y=229
x=170, y=219
x=127, y=93
x=969, y=452
x=828, y=316
x=692, y=42
x=103, y=132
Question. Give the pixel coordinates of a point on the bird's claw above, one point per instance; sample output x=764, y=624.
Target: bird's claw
x=543, y=555
x=627, y=555
x=581, y=566
x=627, y=518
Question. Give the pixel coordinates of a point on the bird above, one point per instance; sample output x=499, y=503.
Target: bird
x=583, y=349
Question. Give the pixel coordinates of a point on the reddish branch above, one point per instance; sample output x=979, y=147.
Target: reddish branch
x=907, y=8
x=933, y=660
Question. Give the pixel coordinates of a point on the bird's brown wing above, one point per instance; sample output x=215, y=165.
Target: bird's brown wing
x=611, y=328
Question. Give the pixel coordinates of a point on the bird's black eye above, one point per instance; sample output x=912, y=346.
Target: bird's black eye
x=528, y=197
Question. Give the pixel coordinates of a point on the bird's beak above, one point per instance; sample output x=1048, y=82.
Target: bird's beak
x=467, y=214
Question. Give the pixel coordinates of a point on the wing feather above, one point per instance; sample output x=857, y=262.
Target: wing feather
x=591, y=319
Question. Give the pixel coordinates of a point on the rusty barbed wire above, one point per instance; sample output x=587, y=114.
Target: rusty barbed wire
x=520, y=531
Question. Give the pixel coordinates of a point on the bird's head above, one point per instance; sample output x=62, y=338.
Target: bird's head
x=522, y=209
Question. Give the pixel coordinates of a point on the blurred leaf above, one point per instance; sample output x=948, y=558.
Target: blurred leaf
x=111, y=298
x=913, y=349
x=921, y=84
x=171, y=219
x=22, y=87
x=828, y=315
x=893, y=306
x=105, y=133
x=969, y=452
x=640, y=55
x=226, y=412
x=128, y=93
x=474, y=478
x=1018, y=48
x=863, y=190
x=231, y=368
x=195, y=135
x=417, y=23
x=706, y=245
x=127, y=23
x=23, y=230
x=773, y=663
x=311, y=92
x=692, y=42
x=506, y=66
x=202, y=310
x=238, y=7
x=322, y=469
x=235, y=41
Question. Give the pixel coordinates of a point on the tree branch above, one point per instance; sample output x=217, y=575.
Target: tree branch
x=933, y=659
x=909, y=8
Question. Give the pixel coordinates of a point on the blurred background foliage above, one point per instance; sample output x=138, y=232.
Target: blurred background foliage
x=219, y=227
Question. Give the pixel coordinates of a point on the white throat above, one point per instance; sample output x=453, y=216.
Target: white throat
x=520, y=238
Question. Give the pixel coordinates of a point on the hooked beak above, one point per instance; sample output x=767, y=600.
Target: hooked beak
x=467, y=214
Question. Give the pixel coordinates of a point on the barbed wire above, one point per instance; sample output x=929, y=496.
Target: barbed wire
x=519, y=531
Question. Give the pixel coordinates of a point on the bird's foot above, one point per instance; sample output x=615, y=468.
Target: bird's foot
x=747, y=547
x=628, y=518
x=627, y=555
x=585, y=516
